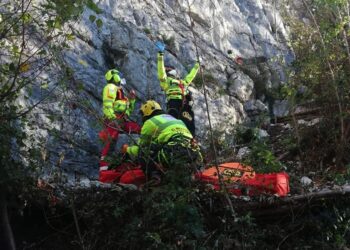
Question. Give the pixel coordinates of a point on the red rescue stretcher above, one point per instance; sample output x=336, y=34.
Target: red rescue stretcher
x=237, y=178
x=242, y=180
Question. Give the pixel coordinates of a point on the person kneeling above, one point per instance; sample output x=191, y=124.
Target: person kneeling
x=165, y=143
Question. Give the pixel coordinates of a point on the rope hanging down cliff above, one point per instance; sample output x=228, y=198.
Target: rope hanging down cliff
x=222, y=185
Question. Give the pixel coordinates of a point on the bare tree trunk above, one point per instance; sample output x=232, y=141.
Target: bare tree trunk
x=6, y=235
x=345, y=36
x=334, y=83
x=283, y=206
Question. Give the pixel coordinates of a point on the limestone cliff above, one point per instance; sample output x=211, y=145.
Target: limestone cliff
x=252, y=29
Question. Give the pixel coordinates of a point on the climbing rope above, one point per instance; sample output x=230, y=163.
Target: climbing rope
x=222, y=185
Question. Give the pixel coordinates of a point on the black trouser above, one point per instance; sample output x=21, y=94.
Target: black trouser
x=187, y=116
x=182, y=111
x=174, y=107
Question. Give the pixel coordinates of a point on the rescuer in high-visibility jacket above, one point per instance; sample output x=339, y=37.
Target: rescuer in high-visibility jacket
x=116, y=110
x=164, y=140
x=176, y=89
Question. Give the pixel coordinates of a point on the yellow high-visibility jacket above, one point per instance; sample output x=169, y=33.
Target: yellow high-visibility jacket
x=174, y=88
x=159, y=129
x=115, y=103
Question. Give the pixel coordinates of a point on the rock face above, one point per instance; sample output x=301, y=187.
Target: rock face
x=252, y=29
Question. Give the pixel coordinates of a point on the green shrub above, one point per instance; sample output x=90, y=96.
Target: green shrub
x=147, y=30
x=321, y=74
x=208, y=78
x=262, y=159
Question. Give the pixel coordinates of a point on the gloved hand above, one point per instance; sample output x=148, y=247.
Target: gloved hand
x=132, y=94
x=229, y=52
x=124, y=148
x=160, y=46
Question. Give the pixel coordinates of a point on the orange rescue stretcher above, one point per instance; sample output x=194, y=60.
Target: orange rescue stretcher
x=237, y=178
x=242, y=180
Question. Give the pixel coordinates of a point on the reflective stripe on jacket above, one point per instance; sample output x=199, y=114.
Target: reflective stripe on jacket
x=171, y=86
x=159, y=129
x=114, y=102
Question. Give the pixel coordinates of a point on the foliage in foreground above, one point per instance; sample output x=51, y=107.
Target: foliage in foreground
x=320, y=82
x=179, y=214
x=33, y=74
x=174, y=216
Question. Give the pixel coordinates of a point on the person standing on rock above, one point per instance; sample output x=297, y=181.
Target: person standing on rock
x=116, y=110
x=178, y=96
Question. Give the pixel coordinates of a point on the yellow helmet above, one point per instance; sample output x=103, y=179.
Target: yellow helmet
x=113, y=75
x=149, y=107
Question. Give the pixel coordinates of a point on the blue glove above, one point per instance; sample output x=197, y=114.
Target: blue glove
x=160, y=46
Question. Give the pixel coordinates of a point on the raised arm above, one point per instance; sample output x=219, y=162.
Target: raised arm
x=190, y=76
x=161, y=71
